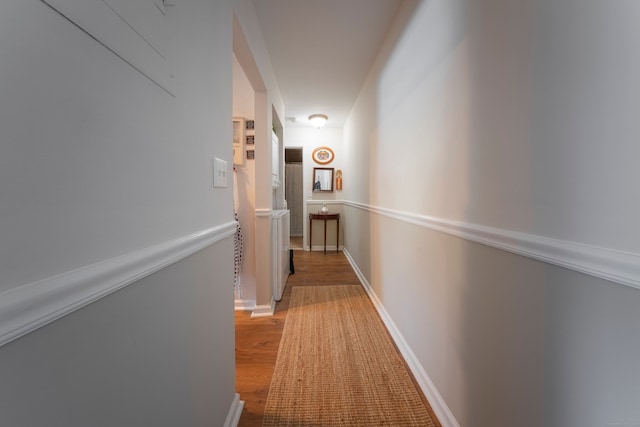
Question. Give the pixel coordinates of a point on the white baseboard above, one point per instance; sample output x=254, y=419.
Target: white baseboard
x=235, y=411
x=264, y=310
x=244, y=304
x=440, y=408
x=320, y=248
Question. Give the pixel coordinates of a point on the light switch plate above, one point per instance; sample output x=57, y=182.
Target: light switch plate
x=220, y=172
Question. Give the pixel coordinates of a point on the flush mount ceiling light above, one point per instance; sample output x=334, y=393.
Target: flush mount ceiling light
x=318, y=120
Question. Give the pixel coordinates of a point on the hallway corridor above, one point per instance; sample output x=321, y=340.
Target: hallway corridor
x=257, y=340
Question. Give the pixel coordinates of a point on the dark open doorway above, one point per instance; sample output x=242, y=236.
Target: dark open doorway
x=294, y=194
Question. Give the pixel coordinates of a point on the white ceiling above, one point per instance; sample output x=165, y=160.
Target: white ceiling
x=322, y=50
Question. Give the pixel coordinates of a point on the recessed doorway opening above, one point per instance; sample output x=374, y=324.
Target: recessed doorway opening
x=294, y=195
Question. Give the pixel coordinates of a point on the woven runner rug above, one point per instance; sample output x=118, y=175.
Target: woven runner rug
x=337, y=366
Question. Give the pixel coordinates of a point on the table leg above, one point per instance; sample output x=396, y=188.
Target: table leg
x=310, y=233
x=337, y=234
x=325, y=236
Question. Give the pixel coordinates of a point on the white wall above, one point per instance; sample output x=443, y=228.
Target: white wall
x=97, y=162
x=91, y=162
x=584, y=127
x=500, y=116
x=309, y=138
x=253, y=57
x=245, y=187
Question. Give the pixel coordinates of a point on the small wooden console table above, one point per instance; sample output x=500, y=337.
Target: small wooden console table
x=324, y=217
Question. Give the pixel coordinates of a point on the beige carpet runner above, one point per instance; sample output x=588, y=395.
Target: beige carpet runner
x=337, y=366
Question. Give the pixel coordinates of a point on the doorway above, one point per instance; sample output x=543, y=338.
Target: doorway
x=294, y=194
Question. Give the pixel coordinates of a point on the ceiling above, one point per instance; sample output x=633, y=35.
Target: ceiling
x=322, y=50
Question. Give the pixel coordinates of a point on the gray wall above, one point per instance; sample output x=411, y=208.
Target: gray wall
x=97, y=162
x=516, y=116
x=157, y=353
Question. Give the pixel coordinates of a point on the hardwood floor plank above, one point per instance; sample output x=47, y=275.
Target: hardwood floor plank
x=258, y=340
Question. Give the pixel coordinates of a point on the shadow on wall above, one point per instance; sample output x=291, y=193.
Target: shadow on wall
x=500, y=335
x=482, y=309
x=501, y=296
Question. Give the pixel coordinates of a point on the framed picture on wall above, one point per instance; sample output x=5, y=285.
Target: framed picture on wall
x=251, y=154
x=238, y=140
x=323, y=180
x=251, y=139
x=322, y=155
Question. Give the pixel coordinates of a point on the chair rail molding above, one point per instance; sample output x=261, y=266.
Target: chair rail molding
x=26, y=308
x=609, y=264
x=323, y=202
x=263, y=212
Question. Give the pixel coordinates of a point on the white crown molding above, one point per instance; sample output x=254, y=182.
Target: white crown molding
x=439, y=406
x=615, y=266
x=28, y=307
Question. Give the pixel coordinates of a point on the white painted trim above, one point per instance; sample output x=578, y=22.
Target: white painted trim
x=28, y=307
x=263, y=213
x=320, y=248
x=266, y=310
x=244, y=304
x=615, y=266
x=235, y=411
x=322, y=202
x=440, y=408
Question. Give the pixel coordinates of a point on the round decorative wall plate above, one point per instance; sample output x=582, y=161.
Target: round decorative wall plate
x=322, y=155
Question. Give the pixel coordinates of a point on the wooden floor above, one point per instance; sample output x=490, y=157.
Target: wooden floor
x=257, y=340
x=296, y=242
